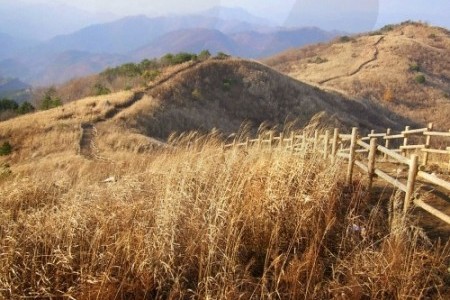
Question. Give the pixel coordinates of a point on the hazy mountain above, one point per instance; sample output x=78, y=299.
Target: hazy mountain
x=14, y=89
x=255, y=44
x=235, y=14
x=130, y=33
x=96, y=47
x=11, y=84
x=10, y=45
x=189, y=40
x=42, y=21
x=54, y=69
x=249, y=44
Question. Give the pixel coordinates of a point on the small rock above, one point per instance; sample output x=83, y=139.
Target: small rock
x=109, y=179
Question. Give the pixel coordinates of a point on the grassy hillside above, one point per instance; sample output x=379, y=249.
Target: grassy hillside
x=223, y=94
x=404, y=67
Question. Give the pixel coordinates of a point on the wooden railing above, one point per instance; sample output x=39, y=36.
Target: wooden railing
x=369, y=151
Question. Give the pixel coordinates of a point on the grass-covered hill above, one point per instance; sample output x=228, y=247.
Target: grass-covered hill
x=404, y=67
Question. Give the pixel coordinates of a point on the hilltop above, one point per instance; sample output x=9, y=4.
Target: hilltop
x=403, y=67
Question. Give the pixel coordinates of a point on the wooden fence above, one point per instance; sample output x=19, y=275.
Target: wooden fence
x=411, y=148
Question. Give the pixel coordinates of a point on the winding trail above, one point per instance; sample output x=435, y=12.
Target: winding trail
x=374, y=58
x=88, y=130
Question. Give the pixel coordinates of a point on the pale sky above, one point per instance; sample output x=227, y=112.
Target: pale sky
x=366, y=13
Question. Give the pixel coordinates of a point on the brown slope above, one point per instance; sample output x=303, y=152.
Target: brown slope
x=378, y=66
x=223, y=94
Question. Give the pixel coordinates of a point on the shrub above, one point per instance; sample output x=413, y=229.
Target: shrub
x=204, y=55
x=227, y=84
x=388, y=95
x=373, y=33
x=221, y=55
x=25, y=108
x=432, y=36
x=5, y=149
x=182, y=57
x=414, y=67
x=100, y=89
x=345, y=39
x=318, y=60
x=7, y=104
x=151, y=74
x=50, y=100
x=197, y=94
x=5, y=170
x=387, y=28
x=420, y=79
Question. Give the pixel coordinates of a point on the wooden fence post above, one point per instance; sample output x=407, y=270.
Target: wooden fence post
x=304, y=141
x=234, y=143
x=326, y=144
x=351, y=161
x=316, y=140
x=281, y=140
x=270, y=139
x=372, y=159
x=259, y=141
x=405, y=141
x=427, y=144
x=292, y=140
x=412, y=174
x=247, y=143
x=387, y=142
x=335, y=144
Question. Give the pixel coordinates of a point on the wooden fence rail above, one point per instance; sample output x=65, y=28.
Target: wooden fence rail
x=355, y=150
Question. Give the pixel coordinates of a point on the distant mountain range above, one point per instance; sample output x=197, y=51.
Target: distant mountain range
x=96, y=47
x=40, y=21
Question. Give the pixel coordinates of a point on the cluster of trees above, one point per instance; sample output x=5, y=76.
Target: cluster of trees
x=150, y=69
x=11, y=105
x=50, y=100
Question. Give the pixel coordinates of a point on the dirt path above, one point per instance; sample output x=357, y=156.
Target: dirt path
x=86, y=140
x=360, y=67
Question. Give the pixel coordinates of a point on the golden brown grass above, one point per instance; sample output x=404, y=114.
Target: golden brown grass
x=206, y=224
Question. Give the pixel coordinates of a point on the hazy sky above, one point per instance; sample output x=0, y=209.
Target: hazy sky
x=363, y=13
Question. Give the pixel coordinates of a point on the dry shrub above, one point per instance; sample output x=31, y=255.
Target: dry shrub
x=207, y=224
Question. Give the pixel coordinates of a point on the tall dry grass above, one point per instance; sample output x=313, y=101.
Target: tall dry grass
x=207, y=224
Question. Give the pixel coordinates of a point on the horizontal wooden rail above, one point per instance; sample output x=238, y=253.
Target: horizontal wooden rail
x=364, y=145
x=432, y=210
x=435, y=133
x=377, y=135
x=436, y=151
x=391, y=180
x=345, y=136
x=362, y=166
x=412, y=147
x=393, y=137
x=435, y=180
x=393, y=155
x=414, y=131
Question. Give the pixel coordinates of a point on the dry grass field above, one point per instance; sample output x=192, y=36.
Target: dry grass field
x=207, y=224
x=384, y=66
